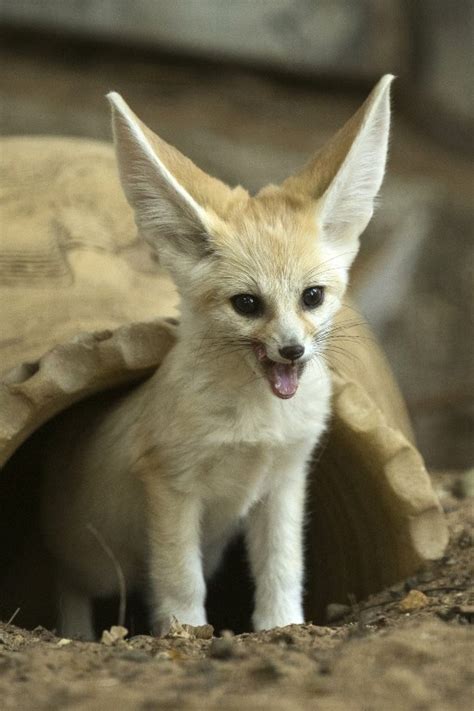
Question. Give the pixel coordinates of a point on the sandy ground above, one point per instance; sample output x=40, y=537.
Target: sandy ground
x=408, y=647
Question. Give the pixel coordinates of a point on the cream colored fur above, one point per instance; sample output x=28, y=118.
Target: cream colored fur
x=169, y=472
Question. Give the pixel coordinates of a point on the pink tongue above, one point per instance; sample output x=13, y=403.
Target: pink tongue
x=283, y=378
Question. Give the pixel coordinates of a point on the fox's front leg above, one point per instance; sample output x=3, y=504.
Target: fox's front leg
x=274, y=534
x=177, y=581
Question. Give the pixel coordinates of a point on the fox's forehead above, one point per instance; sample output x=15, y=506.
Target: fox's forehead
x=272, y=253
x=269, y=243
x=272, y=212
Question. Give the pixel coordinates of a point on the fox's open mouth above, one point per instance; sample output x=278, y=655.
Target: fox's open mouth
x=283, y=377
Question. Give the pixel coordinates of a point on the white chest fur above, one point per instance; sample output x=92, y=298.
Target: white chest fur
x=228, y=449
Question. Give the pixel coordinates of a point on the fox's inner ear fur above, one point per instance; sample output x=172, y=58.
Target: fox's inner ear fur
x=345, y=176
x=166, y=213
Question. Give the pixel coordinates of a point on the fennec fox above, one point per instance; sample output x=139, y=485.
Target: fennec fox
x=221, y=435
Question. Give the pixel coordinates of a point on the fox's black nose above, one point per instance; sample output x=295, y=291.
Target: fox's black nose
x=291, y=352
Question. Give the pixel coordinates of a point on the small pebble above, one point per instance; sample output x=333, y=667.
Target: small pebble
x=415, y=600
x=201, y=631
x=116, y=634
x=63, y=642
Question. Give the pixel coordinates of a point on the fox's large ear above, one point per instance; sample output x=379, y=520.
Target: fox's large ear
x=171, y=197
x=345, y=176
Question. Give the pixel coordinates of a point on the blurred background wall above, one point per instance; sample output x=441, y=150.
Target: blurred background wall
x=249, y=89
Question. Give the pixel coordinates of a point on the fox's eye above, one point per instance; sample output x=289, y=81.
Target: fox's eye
x=313, y=296
x=247, y=304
